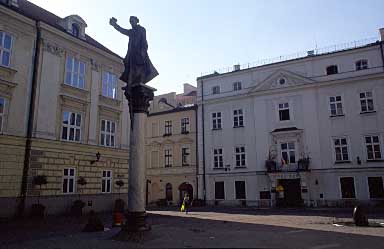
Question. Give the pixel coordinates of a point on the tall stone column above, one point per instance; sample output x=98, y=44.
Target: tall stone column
x=138, y=97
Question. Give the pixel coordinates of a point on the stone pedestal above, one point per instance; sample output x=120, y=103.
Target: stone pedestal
x=138, y=97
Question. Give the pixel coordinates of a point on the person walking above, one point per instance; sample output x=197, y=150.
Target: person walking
x=185, y=205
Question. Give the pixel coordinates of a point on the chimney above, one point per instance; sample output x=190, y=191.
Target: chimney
x=381, y=34
x=236, y=67
x=310, y=52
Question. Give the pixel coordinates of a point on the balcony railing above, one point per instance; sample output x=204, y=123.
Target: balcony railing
x=301, y=165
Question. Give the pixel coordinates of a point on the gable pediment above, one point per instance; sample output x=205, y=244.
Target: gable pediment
x=281, y=79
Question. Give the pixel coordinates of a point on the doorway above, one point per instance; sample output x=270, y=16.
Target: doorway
x=185, y=188
x=292, y=193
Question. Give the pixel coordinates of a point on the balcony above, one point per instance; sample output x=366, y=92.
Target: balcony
x=301, y=165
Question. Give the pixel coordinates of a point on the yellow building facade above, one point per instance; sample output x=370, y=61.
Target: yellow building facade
x=171, y=150
x=77, y=124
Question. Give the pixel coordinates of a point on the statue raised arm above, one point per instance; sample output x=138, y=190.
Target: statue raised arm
x=138, y=66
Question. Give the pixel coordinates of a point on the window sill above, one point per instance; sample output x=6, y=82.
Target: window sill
x=167, y=135
x=65, y=85
x=219, y=168
x=368, y=112
x=168, y=166
x=217, y=129
x=185, y=132
x=240, y=167
x=7, y=71
x=375, y=161
x=240, y=126
x=342, y=162
x=185, y=165
x=336, y=116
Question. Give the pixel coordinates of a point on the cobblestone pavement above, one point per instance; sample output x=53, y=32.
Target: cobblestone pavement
x=204, y=227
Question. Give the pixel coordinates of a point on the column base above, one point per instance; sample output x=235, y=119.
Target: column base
x=134, y=228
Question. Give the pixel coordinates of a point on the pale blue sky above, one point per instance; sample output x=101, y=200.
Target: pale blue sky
x=187, y=38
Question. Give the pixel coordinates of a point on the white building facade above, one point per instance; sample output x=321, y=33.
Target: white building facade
x=308, y=131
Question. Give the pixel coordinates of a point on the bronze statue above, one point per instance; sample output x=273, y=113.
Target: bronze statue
x=138, y=66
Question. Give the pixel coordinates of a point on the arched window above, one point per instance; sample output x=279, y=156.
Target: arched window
x=361, y=65
x=332, y=70
x=75, y=30
x=168, y=192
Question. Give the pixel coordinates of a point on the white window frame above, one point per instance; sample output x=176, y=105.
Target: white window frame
x=72, y=72
x=217, y=121
x=366, y=99
x=283, y=108
x=185, y=125
x=75, y=127
x=105, y=135
x=168, y=154
x=372, y=144
x=5, y=50
x=341, y=149
x=238, y=118
x=362, y=66
x=68, y=178
x=107, y=178
x=237, y=86
x=240, y=156
x=168, y=127
x=219, y=157
x=109, y=85
x=335, y=103
x=186, y=156
x=2, y=114
x=354, y=186
x=288, y=150
x=216, y=90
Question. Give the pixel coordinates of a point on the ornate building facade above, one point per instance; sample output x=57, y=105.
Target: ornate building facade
x=62, y=113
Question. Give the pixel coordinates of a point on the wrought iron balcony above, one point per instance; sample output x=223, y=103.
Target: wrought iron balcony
x=301, y=165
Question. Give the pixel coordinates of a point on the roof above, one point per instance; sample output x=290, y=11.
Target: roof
x=37, y=13
x=177, y=109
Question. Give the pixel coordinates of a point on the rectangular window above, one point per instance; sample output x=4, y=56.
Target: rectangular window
x=238, y=118
x=5, y=49
x=185, y=125
x=240, y=156
x=284, y=112
x=218, y=158
x=154, y=159
x=106, y=181
x=75, y=72
x=109, y=85
x=237, y=86
x=108, y=133
x=2, y=111
x=361, y=65
x=333, y=69
x=376, y=189
x=69, y=181
x=372, y=144
x=168, y=128
x=219, y=191
x=347, y=186
x=341, y=149
x=168, y=158
x=336, y=106
x=366, y=102
x=240, y=190
x=216, y=90
x=288, y=153
x=154, y=130
x=185, y=156
x=71, y=126
x=216, y=120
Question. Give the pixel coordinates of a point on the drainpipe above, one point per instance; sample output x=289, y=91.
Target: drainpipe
x=203, y=132
x=27, y=156
x=197, y=154
x=382, y=53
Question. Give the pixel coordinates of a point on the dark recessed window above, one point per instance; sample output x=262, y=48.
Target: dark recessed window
x=216, y=90
x=361, y=65
x=282, y=81
x=219, y=191
x=332, y=70
x=240, y=190
x=284, y=112
x=75, y=30
x=376, y=189
x=347, y=185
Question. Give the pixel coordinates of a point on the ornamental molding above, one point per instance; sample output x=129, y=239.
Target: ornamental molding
x=53, y=48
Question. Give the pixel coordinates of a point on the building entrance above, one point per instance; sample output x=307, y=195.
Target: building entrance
x=290, y=196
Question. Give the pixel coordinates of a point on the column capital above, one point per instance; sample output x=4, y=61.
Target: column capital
x=138, y=97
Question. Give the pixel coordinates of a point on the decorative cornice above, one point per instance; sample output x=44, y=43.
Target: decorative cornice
x=53, y=48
